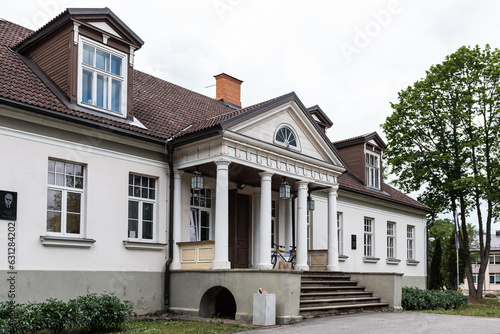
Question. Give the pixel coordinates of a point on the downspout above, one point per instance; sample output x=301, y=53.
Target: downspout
x=293, y=221
x=170, y=151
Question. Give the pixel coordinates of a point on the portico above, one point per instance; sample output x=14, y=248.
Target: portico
x=246, y=177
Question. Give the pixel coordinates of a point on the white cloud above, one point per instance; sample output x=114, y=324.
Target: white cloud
x=280, y=46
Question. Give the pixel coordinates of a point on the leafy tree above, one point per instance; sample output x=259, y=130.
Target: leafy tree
x=435, y=275
x=443, y=139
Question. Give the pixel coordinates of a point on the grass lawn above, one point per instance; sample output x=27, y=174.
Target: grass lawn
x=487, y=307
x=182, y=326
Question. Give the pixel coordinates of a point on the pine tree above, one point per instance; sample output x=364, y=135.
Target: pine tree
x=435, y=276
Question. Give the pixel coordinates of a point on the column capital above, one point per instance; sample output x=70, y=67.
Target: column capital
x=178, y=173
x=333, y=190
x=266, y=175
x=222, y=162
x=301, y=185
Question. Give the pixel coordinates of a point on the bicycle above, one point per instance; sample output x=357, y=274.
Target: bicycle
x=288, y=257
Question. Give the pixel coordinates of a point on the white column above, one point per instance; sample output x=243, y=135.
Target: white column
x=265, y=221
x=177, y=235
x=256, y=226
x=333, y=244
x=221, y=256
x=302, y=226
x=288, y=223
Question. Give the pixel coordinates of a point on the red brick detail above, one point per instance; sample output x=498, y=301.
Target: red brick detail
x=228, y=89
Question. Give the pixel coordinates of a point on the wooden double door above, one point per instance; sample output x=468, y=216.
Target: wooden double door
x=239, y=229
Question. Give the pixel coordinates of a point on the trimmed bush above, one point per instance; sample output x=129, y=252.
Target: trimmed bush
x=91, y=313
x=417, y=299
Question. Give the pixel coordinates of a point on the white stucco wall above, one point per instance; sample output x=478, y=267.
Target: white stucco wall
x=353, y=210
x=24, y=170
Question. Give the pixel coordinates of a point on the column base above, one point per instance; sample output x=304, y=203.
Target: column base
x=332, y=268
x=221, y=265
x=301, y=267
x=265, y=266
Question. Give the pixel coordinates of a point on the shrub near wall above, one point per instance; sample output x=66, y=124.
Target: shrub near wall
x=417, y=299
x=91, y=313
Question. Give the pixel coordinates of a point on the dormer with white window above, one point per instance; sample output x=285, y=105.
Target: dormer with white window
x=363, y=155
x=86, y=56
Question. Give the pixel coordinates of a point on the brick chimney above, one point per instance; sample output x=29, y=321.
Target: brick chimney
x=228, y=89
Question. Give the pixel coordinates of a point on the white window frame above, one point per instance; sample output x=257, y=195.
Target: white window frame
x=309, y=230
x=141, y=201
x=391, y=240
x=368, y=237
x=372, y=171
x=285, y=142
x=64, y=198
x=123, y=78
x=494, y=259
x=475, y=278
x=273, y=225
x=410, y=242
x=494, y=278
x=195, y=213
x=339, y=232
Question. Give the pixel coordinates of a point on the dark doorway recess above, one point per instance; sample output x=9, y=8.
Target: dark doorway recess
x=218, y=302
x=239, y=229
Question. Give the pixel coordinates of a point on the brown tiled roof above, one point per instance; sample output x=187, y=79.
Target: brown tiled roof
x=164, y=108
x=350, y=183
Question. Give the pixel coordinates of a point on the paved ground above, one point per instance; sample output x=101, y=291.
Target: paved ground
x=389, y=323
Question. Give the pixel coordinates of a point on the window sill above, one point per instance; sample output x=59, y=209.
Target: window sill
x=141, y=245
x=53, y=241
x=370, y=259
x=342, y=258
x=411, y=262
x=391, y=260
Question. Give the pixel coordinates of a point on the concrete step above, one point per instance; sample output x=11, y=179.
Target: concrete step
x=328, y=283
x=308, y=312
x=334, y=294
x=337, y=301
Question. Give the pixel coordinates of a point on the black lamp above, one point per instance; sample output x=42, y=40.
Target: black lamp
x=197, y=180
x=284, y=189
x=310, y=203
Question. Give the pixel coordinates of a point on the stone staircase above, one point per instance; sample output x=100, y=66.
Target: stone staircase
x=328, y=293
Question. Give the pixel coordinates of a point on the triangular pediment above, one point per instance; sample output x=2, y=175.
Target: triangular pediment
x=106, y=27
x=264, y=127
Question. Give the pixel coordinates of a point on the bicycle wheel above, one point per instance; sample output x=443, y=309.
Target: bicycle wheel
x=274, y=259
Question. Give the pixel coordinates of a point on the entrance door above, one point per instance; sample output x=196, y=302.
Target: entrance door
x=239, y=222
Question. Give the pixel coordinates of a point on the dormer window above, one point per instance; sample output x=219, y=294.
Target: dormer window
x=372, y=162
x=102, y=78
x=286, y=136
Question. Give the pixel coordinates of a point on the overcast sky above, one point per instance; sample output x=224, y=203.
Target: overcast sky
x=349, y=57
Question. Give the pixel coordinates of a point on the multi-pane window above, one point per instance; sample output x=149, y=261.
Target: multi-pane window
x=286, y=137
x=494, y=278
x=339, y=231
x=494, y=258
x=474, y=278
x=391, y=237
x=273, y=225
x=102, y=77
x=201, y=212
x=309, y=218
x=65, y=195
x=410, y=242
x=141, y=207
x=368, y=237
x=372, y=170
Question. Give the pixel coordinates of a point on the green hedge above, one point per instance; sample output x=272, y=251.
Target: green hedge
x=417, y=299
x=90, y=313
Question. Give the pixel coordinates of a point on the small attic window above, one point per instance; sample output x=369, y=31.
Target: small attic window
x=286, y=136
x=102, y=78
